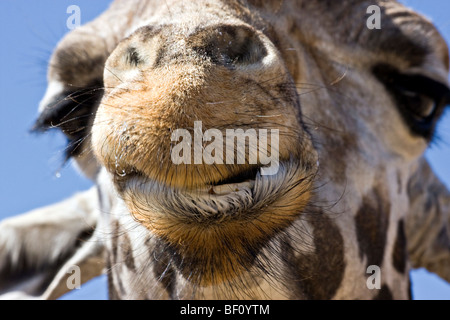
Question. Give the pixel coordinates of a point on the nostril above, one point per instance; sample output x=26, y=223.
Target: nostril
x=231, y=45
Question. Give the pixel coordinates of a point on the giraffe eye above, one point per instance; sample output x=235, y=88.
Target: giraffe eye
x=72, y=112
x=419, y=99
x=420, y=106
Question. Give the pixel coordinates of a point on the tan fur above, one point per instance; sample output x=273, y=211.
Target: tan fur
x=347, y=195
x=141, y=113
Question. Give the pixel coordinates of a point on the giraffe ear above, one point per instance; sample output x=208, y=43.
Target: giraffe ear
x=427, y=225
x=42, y=249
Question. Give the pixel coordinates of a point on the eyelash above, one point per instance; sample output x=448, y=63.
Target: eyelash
x=71, y=112
x=420, y=99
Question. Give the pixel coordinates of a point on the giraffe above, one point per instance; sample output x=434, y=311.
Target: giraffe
x=355, y=109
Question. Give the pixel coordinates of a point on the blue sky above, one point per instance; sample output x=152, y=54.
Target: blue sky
x=32, y=175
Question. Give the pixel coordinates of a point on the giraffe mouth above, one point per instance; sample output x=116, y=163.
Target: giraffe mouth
x=209, y=226
x=126, y=178
x=234, y=196
x=235, y=182
x=242, y=197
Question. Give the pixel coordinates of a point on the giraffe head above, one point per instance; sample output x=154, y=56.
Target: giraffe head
x=348, y=113
x=174, y=75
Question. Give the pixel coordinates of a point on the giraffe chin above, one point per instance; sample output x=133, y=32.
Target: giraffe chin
x=216, y=237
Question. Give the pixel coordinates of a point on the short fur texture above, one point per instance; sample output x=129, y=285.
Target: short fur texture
x=355, y=108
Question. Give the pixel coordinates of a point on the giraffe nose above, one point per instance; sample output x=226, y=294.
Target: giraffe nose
x=157, y=82
x=236, y=47
x=230, y=46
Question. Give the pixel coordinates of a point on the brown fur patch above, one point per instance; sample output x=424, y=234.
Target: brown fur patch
x=112, y=292
x=384, y=293
x=115, y=260
x=319, y=275
x=127, y=253
x=410, y=293
x=399, y=255
x=162, y=268
x=340, y=146
x=372, y=222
